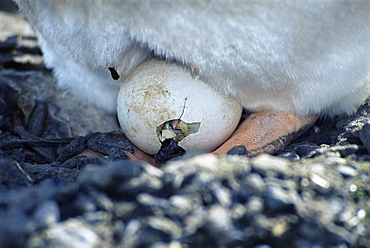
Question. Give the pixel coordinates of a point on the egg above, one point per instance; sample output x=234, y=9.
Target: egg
x=160, y=100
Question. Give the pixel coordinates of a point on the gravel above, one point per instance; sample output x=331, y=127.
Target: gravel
x=315, y=193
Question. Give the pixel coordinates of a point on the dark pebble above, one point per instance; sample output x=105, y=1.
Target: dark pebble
x=109, y=143
x=277, y=199
x=169, y=149
x=37, y=119
x=364, y=135
x=75, y=147
x=238, y=150
x=13, y=174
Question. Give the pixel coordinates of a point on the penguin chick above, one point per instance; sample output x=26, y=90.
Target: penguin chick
x=287, y=62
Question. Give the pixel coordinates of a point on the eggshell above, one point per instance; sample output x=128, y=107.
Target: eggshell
x=158, y=91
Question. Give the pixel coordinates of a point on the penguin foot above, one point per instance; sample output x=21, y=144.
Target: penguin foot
x=266, y=132
x=261, y=132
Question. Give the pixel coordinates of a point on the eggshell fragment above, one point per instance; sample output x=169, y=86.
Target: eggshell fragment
x=157, y=92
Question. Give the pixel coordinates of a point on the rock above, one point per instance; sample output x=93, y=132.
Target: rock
x=268, y=165
x=104, y=176
x=112, y=143
x=219, y=225
x=254, y=205
x=12, y=174
x=364, y=135
x=277, y=200
x=47, y=213
x=75, y=147
x=252, y=184
x=84, y=204
x=347, y=171
x=165, y=225
x=70, y=233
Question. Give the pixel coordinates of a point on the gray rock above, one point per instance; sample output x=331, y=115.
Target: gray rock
x=47, y=213
x=277, y=199
x=70, y=233
x=220, y=226
x=252, y=184
x=152, y=201
x=364, y=135
x=269, y=166
x=104, y=176
x=84, y=204
x=255, y=205
x=165, y=225
x=221, y=194
x=347, y=171
x=181, y=205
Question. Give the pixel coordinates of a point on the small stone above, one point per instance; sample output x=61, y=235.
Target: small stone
x=71, y=233
x=12, y=173
x=84, y=204
x=132, y=227
x=319, y=181
x=222, y=194
x=125, y=209
x=219, y=219
x=102, y=200
x=252, y=184
x=110, y=143
x=347, y=171
x=152, y=201
x=238, y=211
x=262, y=246
x=75, y=147
x=277, y=199
x=166, y=226
x=317, y=168
x=303, y=149
x=184, y=204
x=254, y=205
x=47, y=213
x=106, y=175
x=238, y=150
x=364, y=135
x=221, y=227
x=96, y=216
x=37, y=119
x=268, y=165
x=74, y=162
x=256, y=183
x=288, y=154
x=348, y=150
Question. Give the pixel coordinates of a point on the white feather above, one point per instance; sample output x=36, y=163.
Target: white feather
x=297, y=56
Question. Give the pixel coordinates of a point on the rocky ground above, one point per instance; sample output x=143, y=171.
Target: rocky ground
x=315, y=193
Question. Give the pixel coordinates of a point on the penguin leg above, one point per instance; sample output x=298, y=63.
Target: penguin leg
x=266, y=132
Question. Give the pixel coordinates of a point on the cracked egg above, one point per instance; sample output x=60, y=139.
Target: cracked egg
x=159, y=101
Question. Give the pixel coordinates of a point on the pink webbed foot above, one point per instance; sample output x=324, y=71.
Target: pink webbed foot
x=266, y=132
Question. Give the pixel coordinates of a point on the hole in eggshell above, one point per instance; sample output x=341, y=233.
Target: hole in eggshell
x=176, y=129
x=169, y=134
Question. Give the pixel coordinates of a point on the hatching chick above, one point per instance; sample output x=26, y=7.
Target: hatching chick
x=288, y=62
